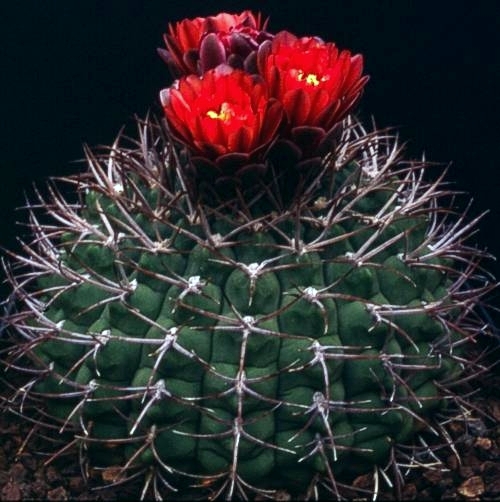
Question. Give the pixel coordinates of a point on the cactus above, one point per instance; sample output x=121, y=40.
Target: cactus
x=231, y=307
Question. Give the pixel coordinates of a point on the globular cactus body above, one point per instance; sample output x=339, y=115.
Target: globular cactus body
x=267, y=341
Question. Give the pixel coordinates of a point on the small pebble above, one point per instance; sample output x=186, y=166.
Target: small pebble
x=39, y=489
x=52, y=475
x=11, y=491
x=76, y=484
x=483, y=443
x=472, y=487
x=17, y=472
x=58, y=493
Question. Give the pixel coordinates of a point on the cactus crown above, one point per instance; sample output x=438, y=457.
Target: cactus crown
x=252, y=295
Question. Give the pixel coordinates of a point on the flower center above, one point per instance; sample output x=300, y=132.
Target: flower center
x=310, y=78
x=226, y=114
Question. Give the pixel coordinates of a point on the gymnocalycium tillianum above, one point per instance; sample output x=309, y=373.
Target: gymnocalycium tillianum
x=253, y=296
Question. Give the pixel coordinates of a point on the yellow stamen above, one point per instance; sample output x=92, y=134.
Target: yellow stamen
x=310, y=78
x=225, y=114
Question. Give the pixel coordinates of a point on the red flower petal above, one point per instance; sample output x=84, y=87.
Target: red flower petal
x=271, y=121
x=241, y=140
x=297, y=104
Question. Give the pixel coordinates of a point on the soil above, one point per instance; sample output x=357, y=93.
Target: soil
x=472, y=475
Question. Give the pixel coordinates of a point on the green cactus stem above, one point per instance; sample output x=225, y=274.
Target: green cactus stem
x=225, y=350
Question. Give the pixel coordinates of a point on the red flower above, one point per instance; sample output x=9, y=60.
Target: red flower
x=199, y=44
x=224, y=112
x=317, y=84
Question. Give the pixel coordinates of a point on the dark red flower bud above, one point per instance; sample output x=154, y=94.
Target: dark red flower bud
x=212, y=52
x=192, y=47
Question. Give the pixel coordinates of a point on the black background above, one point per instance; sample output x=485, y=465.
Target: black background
x=74, y=71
